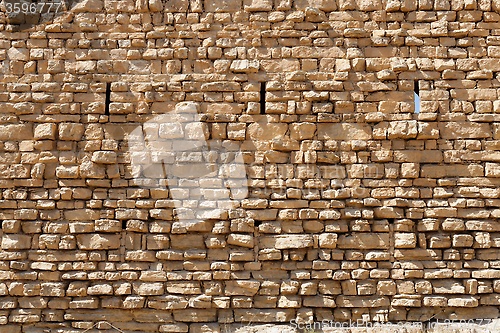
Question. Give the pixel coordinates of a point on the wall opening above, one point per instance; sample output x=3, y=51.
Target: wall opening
x=262, y=98
x=108, y=99
x=416, y=96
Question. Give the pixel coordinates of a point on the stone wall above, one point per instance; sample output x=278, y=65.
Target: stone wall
x=358, y=206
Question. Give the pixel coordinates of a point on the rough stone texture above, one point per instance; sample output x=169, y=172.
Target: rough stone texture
x=354, y=206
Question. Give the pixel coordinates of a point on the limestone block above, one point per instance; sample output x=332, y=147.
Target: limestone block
x=185, y=288
x=100, y=289
x=282, y=242
x=176, y=6
x=464, y=130
x=45, y=131
x=387, y=287
x=155, y=5
x=262, y=131
x=264, y=315
x=16, y=132
x=104, y=157
x=328, y=240
x=258, y=5
x=402, y=129
x=21, y=54
x=177, y=327
x=241, y=287
x=245, y=66
x=241, y=240
x=198, y=316
x=362, y=301
x=314, y=14
x=405, y=240
x=369, y=5
x=168, y=302
x=344, y=131
x=148, y=289
x=98, y=241
x=427, y=130
x=302, y=131
x=492, y=170
x=407, y=301
x=463, y=301
x=16, y=242
x=70, y=131
x=363, y=241
x=410, y=170
x=94, y=6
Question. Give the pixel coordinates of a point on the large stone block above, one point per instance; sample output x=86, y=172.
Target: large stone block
x=264, y=315
x=464, y=130
x=344, y=131
x=287, y=242
x=364, y=241
x=98, y=241
x=198, y=316
x=70, y=131
x=16, y=132
x=16, y=242
x=241, y=287
x=362, y=301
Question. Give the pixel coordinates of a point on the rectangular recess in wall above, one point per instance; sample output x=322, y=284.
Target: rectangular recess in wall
x=108, y=98
x=416, y=96
x=262, y=101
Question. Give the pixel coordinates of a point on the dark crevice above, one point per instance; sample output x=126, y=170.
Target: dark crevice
x=262, y=98
x=108, y=99
x=416, y=88
x=124, y=224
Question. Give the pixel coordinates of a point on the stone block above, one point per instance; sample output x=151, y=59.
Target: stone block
x=363, y=241
x=286, y=242
x=241, y=240
x=404, y=129
x=241, y=288
x=198, y=316
x=344, y=131
x=45, y=131
x=16, y=132
x=464, y=130
x=98, y=241
x=264, y=315
x=327, y=240
x=362, y=301
x=245, y=66
x=16, y=242
x=104, y=157
x=71, y=131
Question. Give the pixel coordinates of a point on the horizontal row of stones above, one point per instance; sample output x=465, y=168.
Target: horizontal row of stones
x=270, y=246
x=172, y=320
x=198, y=6
x=280, y=136
x=77, y=298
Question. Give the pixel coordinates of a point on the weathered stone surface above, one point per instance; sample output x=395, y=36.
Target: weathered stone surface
x=16, y=242
x=363, y=241
x=287, y=241
x=70, y=131
x=464, y=130
x=98, y=241
x=241, y=287
x=345, y=131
